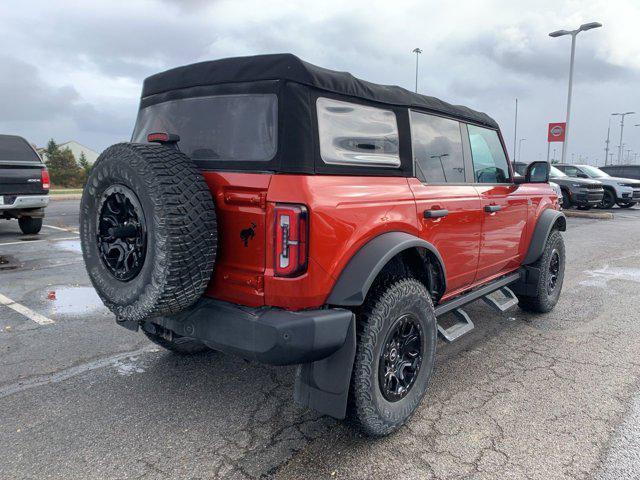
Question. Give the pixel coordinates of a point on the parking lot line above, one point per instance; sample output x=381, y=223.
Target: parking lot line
x=72, y=230
x=27, y=312
x=27, y=242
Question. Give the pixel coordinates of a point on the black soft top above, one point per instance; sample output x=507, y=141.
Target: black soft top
x=288, y=67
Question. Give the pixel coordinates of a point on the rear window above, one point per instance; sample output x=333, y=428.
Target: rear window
x=221, y=128
x=17, y=149
x=352, y=134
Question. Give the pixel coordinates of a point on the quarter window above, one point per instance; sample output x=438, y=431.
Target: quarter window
x=352, y=134
x=437, y=149
x=489, y=161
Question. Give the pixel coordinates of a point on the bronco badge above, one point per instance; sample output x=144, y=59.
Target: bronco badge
x=248, y=234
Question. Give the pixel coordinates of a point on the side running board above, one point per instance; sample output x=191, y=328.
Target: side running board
x=462, y=326
x=501, y=305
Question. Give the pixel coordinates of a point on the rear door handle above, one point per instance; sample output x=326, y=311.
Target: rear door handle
x=492, y=208
x=435, y=213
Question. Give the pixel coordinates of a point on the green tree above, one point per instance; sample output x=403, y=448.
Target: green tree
x=85, y=166
x=62, y=165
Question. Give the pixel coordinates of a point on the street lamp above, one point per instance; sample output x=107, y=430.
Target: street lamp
x=621, y=115
x=520, y=148
x=417, y=51
x=573, y=33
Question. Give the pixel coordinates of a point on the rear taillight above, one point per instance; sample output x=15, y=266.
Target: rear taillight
x=292, y=227
x=45, y=181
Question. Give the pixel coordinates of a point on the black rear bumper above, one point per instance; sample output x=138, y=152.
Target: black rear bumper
x=267, y=335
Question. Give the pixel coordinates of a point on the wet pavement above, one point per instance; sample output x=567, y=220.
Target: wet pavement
x=522, y=396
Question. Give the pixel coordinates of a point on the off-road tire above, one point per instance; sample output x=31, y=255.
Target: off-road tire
x=179, y=345
x=608, y=200
x=626, y=205
x=30, y=225
x=368, y=410
x=181, y=238
x=543, y=301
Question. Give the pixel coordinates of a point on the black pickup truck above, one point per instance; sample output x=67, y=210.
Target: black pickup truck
x=24, y=184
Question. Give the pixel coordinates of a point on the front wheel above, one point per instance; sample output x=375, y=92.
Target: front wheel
x=608, y=200
x=30, y=225
x=551, y=267
x=394, y=356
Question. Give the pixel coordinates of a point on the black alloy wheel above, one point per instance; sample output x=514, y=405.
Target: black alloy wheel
x=554, y=271
x=121, y=232
x=401, y=358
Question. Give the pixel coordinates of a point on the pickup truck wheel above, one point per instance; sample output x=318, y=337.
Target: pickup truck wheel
x=30, y=225
x=609, y=199
x=394, y=356
x=551, y=265
x=180, y=345
x=148, y=230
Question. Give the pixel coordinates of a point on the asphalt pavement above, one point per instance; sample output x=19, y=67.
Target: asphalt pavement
x=522, y=396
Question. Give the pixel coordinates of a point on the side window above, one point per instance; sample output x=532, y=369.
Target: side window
x=352, y=134
x=437, y=148
x=571, y=171
x=489, y=161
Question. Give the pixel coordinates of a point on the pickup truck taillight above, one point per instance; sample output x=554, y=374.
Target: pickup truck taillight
x=45, y=181
x=292, y=227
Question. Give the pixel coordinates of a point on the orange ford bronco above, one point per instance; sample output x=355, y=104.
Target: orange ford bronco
x=290, y=214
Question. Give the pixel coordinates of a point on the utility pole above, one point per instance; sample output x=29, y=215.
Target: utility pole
x=606, y=143
x=574, y=34
x=621, y=115
x=515, y=132
x=417, y=51
x=611, y=158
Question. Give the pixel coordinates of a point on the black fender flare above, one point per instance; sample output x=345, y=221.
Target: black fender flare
x=547, y=220
x=357, y=277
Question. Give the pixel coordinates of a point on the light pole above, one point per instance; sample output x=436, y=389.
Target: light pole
x=621, y=115
x=417, y=51
x=520, y=148
x=515, y=132
x=606, y=143
x=573, y=33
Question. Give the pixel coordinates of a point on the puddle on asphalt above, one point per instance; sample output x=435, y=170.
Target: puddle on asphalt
x=69, y=245
x=602, y=276
x=7, y=263
x=66, y=300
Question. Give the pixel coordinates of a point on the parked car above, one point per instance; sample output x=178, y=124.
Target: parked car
x=624, y=192
x=24, y=184
x=579, y=192
x=343, y=219
x=623, y=171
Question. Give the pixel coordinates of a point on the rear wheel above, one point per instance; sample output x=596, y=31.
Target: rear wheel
x=551, y=267
x=394, y=357
x=608, y=200
x=30, y=225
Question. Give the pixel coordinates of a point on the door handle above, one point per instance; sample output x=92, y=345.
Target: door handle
x=435, y=213
x=492, y=208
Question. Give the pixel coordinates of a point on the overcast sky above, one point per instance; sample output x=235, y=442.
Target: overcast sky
x=73, y=70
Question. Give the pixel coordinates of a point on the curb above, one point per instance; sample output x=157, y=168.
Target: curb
x=65, y=196
x=594, y=215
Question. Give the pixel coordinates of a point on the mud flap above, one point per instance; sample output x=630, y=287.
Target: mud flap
x=324, y=385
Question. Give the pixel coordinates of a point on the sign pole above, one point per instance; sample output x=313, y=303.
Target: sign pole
x=548, y=150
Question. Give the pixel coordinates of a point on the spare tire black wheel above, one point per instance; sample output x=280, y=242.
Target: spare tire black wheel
x=148, y=230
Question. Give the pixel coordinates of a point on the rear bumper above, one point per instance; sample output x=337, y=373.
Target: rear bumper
x=266, y=335
x=24, y=202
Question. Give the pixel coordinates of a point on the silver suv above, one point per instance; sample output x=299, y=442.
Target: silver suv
x=625, y=192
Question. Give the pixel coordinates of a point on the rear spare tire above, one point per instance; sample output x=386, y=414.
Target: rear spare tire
x=148, y=230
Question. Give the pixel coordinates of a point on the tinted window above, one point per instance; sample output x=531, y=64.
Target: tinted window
x=570, y=171
x=224, y=127
x=489, y=161
x=352, y=134
x=437, y=148
x=17, y=149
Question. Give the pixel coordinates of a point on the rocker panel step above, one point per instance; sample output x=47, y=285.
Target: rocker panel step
x=501, y=306
x=463, y=326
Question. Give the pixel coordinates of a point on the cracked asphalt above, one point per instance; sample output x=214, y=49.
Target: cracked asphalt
x=522, y=396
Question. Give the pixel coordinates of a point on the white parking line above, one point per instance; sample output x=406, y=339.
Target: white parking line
x=72, y=230
x=27, y=312
x=27, y=242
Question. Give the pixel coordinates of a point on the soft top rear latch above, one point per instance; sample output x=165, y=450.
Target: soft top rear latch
x=168, y=139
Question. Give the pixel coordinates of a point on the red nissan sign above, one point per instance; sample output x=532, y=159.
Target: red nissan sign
x=556, y=132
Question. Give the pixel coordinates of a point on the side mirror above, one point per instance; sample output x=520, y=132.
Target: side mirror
x=537, y=172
